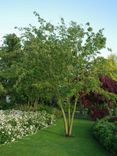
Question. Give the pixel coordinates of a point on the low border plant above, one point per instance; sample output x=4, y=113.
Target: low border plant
x=15, y=124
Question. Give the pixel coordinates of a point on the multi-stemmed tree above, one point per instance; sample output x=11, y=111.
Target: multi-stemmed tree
x=58, y=61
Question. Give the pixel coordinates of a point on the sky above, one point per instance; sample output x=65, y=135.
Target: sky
x=100, y=14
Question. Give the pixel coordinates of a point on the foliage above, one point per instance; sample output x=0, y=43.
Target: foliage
x=2, y=90
x=107, y=66
x=11, y=43
x=39, y=107
x=112, y=119
x=109, y=84
x=16, y=124
x=10, y=55
x=50, y=110
x=53, y=57
x=99, y=113
x=110, y=67
x=106, y=133
x=98, y=104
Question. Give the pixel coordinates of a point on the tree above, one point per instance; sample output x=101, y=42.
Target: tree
x=58, y=61
x=107, y=66
x=10, y=55
x=112, y=66
x=100, y=105
x=11, y=43
x=111, y=86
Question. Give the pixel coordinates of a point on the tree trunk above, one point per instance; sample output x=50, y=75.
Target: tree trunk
x=64, y=118
x=69, y=114
x=68, y=119
x=72, y=117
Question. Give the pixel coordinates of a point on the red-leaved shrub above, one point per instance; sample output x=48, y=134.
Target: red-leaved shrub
x=97, y=104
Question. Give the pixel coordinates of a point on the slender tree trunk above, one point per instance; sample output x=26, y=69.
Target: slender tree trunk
x=69, y=115
x=64, y=118
x=68, y=119
x=72, y=117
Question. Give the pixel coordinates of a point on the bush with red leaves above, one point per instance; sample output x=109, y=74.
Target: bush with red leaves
x=109, y=84
x=97, y=105
x=99, y=113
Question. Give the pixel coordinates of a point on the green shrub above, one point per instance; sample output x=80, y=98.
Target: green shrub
x=50, y=110
x=106, y=133
x=26, y=107
x=114, y=145
x=40, y=107
x=4, y=136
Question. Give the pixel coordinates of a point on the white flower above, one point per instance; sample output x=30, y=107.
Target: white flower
x=15, y=124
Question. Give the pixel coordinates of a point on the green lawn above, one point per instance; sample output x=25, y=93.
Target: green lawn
x=51, y=142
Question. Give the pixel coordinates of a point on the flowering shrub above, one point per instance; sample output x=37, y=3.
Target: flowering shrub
x=16, y=124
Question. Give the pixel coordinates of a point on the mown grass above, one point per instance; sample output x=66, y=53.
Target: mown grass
x=52, y=142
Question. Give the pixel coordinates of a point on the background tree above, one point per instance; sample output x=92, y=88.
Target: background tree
x=98, y=104
x=112, y=66
x=107, y=66
x=10, y=54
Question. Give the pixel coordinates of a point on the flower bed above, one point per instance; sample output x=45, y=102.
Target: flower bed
x=15, y=124
x=106, y=133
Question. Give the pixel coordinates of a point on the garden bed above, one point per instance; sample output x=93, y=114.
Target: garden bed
x=15, y=124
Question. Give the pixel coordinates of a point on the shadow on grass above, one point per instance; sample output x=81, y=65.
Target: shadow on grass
x=54, y=133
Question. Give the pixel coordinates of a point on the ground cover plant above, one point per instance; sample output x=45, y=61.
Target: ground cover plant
x=16, y=124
